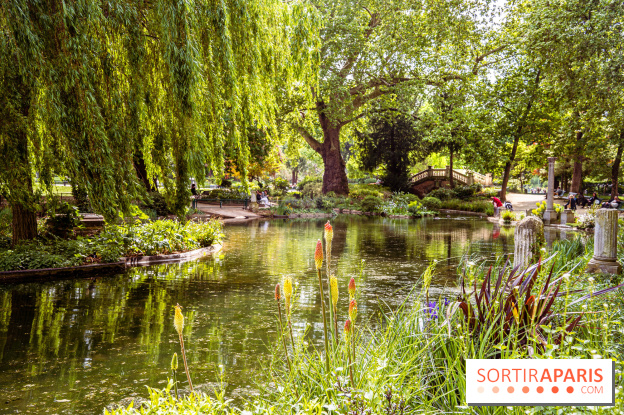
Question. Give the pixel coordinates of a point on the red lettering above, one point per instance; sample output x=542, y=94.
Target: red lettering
x=481, y=374
x=558, y=373
x=516, y=370
x=533, y=374
x=488, y=375
x=581, y=375
x=598, y=375
x=506, y=373
x=569, y=375
x=546, y=375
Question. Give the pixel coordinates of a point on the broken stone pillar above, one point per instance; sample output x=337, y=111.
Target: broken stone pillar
x=528, y=240
x=254, y=202
x=550, y=215
x=605, y=243
x=567, y=217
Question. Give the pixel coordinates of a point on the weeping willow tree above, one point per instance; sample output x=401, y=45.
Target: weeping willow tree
x=90, y=89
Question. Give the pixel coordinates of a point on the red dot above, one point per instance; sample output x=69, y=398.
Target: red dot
x=525, y=389
x=555, y=389
x=540, y=389
x=570, y=389
x=510, y=389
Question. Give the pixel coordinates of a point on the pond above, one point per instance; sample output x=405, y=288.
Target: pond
x=77, y=345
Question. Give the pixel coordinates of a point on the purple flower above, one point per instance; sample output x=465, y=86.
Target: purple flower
x=432, y=309
x=446, y=302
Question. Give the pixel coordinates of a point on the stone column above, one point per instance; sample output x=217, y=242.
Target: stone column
x=567, y=217
x=528, y=240
x=470, y=178
x=550, y=215
x=429, y=171
x=254, y=202
x=605, y=243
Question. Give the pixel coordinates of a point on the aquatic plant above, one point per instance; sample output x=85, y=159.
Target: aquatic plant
x=178, y=323
x=318, y=260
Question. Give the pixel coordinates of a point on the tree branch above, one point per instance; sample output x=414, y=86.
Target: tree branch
x=312, y=142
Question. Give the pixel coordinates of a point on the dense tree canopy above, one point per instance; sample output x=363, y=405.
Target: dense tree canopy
x=384, y=53
x=87, y=88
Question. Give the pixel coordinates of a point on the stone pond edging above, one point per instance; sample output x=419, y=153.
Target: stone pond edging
x=123, y=263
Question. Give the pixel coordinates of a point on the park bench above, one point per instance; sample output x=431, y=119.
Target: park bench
x=244, y=202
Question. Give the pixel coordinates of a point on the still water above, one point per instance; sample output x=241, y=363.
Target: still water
x=77, y=345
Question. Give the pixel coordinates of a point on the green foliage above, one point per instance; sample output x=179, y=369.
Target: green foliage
x=432, y=203
x=480, y=206
x=62, y=220
x=309, y=179
x=541, y=208
x=442, y=193
x=371, y=204
x=88, y=89
x=508, y=216
x=157, y=202
x=312, y=189
x=394, y=144
x=6, y=221
x=224, y=194
x=398, y=203
x=115, y=241
x=459, y=192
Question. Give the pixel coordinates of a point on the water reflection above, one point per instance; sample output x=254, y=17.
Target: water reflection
x=74, y=346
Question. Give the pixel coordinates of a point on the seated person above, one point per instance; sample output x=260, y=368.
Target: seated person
x=571, y=203
x=594, y=199
x=581, y=200
x=559, y=192
x=614, y=203
x=264, y=199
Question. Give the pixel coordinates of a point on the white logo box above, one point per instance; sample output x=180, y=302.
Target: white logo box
x=540, y=382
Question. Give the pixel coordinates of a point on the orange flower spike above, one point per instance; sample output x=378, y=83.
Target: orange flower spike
x=277, y=292
x=329, y=232
x=318, y=255
x=352, y=310
x=352, y=289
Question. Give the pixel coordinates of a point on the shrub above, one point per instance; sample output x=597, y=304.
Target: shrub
x=466, y=192
x=442, y=193
x=508, y=216
x=541, y=208
x=480, y=206
x=281, y=183
x=312, y=189
x=432, y=203
x=309, y=179
x=371, y=204
x=158, y=237
x=62, y=220
x=6, y=223
x=415, y=208
x=156, y=202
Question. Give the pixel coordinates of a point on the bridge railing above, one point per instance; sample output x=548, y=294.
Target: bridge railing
x=467, y=179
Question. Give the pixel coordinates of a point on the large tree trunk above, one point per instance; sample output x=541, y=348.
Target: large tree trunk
x=335, y=175
x=577, y=175
x=615, y=169
x=15, y=151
